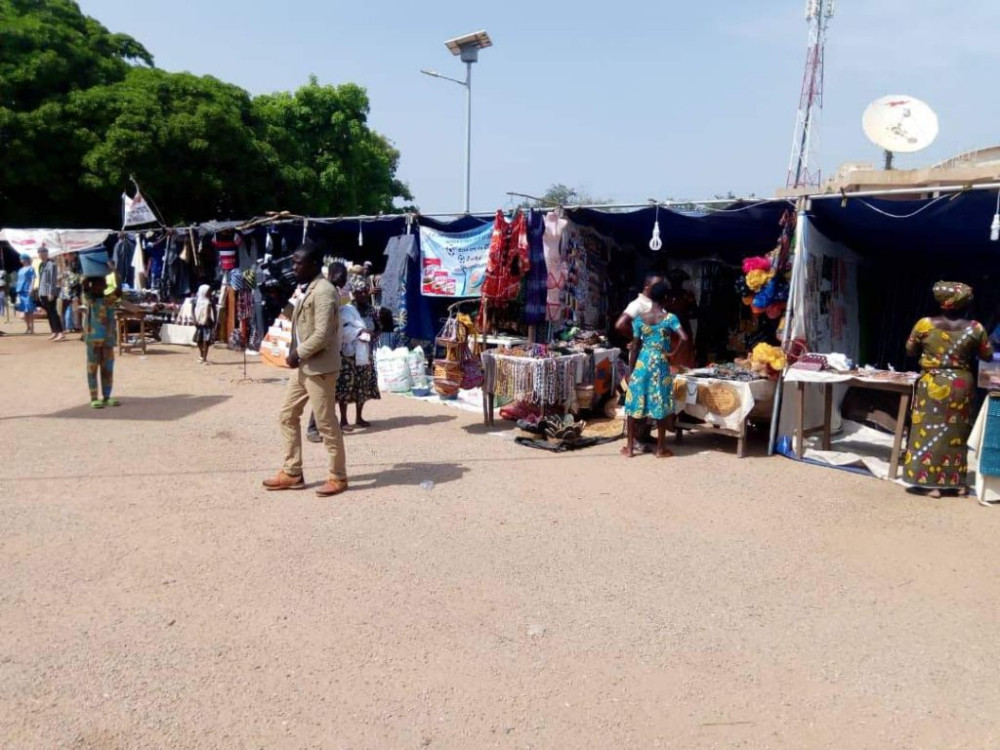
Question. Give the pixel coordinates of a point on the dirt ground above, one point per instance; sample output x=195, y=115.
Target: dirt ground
x=152, y=596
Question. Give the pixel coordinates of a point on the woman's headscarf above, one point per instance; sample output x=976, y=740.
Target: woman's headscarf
x=952, y=295
x=25, y=257
x=202, y=305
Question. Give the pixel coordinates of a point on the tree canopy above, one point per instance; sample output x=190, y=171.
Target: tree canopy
x=83, y=109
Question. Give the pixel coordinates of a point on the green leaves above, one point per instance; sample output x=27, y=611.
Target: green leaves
x=78, y=116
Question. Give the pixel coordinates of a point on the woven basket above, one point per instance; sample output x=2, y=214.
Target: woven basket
x=585, y=396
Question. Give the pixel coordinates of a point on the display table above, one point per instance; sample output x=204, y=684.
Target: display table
x=901, y=383
x=547, y=381
x=724, y=406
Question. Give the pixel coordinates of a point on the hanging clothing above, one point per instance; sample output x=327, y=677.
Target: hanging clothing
x=398, y=252
x=508, y=260
x=555, y=263
x=937, y=454
x=651, y=387
x=227, y=247
x=536, y=285
x=122, y=256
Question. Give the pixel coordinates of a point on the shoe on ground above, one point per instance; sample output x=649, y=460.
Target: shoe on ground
x=314, y=437
x=96, y=404
x=332, y=487
x=283, y=481
x=60, y=337
x=112, y=402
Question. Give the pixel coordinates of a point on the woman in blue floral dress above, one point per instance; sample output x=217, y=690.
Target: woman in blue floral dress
x=650, y=387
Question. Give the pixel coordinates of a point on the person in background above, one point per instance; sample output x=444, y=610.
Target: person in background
x=26, y=293
x=204, y=321
x=941, y=415
x=358, y=382
x=48, y=293
x=641, y=305
x=651, y=387
x=69, y=294
x=4, y=310
x=100, y=336
x=315, y=360
x=682, y=303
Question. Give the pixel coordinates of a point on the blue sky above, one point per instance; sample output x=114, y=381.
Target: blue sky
x=626, y=100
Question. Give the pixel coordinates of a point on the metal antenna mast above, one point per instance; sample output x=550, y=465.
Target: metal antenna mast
x=803, y=171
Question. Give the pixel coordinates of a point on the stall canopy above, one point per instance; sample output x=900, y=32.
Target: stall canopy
x=731, y=233
x=956, y=223
x=58, y=241
x=894, y=251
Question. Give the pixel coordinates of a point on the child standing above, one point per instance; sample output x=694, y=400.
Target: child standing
x=204, y=320
x=100, y=337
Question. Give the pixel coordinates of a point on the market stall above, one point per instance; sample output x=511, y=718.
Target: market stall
x=864, y=269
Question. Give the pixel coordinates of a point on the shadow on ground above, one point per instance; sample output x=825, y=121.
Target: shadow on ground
x=155, y=409
x=397, y=423
x=410, y=474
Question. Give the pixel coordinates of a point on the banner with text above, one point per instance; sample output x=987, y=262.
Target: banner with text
x=454, y=264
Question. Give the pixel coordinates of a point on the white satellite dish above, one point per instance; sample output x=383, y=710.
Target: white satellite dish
x=900, y=124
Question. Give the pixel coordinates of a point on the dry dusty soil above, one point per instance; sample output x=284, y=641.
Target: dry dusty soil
x=152, y=596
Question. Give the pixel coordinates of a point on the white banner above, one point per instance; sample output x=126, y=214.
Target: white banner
x=136, y=211
x=454, y=265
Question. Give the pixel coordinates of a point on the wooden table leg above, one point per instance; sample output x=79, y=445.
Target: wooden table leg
x=800, y=419
x=741, y=443
x=827, y=415
x=492, y=406
x=897, y=441
x=142, y=333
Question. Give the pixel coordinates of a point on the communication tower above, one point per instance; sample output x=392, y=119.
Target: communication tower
x=803, y=171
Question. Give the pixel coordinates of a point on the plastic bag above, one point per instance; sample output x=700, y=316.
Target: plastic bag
x=417, y=362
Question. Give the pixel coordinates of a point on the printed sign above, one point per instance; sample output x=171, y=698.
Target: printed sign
x=137, y=212
x=454, y=265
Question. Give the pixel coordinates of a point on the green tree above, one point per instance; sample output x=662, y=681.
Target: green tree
x=329, y=161
x=559, y=194
x=49, y=50
x=80, y=112
x=190, y=141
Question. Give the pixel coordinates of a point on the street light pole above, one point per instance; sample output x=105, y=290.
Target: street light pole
x=467, y=48
x=468, y=135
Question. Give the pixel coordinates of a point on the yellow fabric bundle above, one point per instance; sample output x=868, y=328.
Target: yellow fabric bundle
x=772, y=356
x=757, y=279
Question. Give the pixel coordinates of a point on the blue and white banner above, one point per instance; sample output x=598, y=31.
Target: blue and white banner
x=454, y=265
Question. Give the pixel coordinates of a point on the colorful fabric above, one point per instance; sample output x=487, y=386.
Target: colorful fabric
x=100, y=325
x=952, y=295
x=357, y=384
x=937, y=454
x=100, y=359
x=650, y=387
x=509, y=259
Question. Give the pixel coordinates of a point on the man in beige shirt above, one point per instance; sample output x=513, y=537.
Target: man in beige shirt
x=315, y=362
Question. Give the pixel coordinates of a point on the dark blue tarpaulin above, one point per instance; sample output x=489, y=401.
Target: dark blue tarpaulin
x=731, y=233
x=958, y=223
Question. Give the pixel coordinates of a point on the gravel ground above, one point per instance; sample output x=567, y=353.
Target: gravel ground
x=152, y=596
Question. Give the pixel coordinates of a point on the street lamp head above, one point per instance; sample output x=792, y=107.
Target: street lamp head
x=467, y=47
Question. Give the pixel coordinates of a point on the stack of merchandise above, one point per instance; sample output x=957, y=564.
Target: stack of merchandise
x=277, y=343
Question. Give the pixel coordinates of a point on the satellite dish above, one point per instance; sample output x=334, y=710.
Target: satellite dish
x=900, y=124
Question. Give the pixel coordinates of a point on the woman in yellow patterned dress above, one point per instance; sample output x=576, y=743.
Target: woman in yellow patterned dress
x=936, y=457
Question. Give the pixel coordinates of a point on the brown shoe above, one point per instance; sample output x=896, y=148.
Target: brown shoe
x=332, y=487
x=284, y=481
